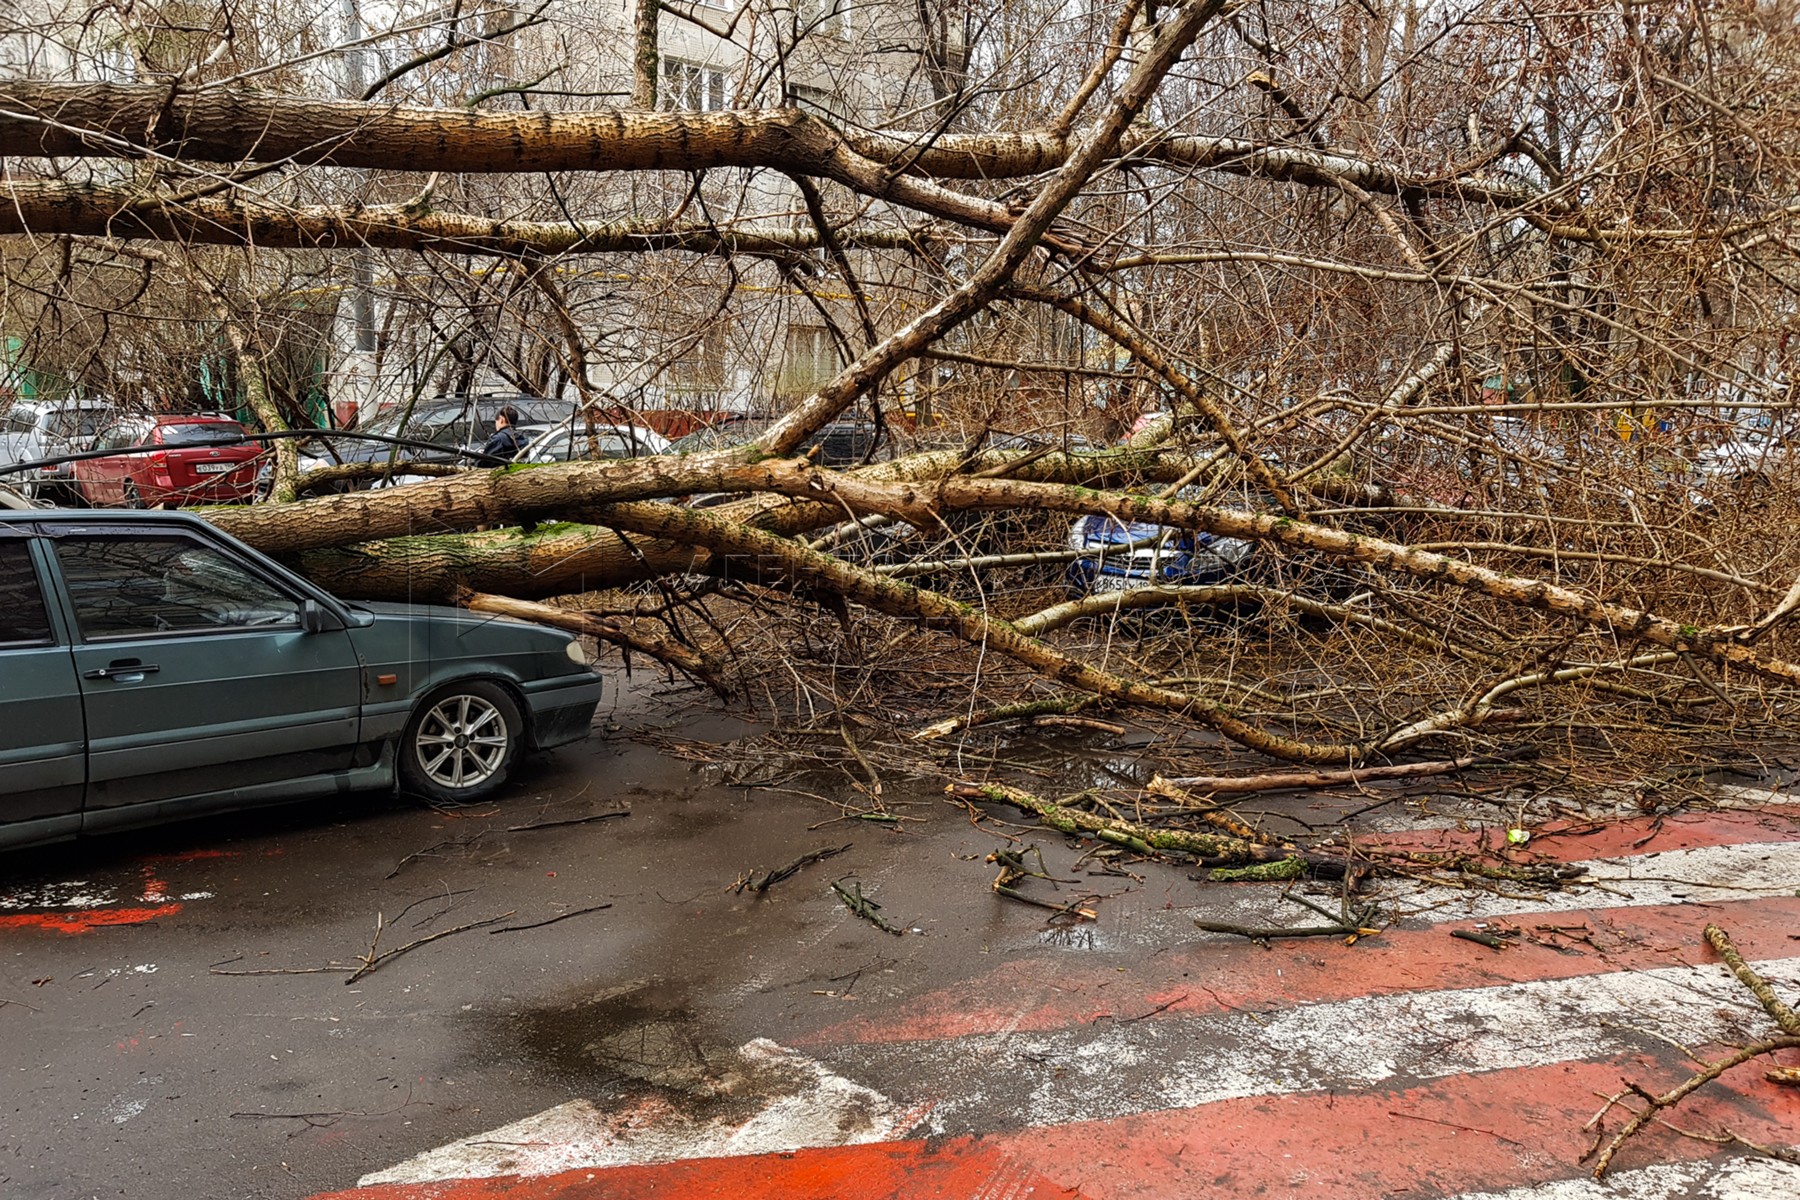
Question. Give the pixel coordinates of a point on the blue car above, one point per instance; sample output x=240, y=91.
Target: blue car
x=153, y=668
x=1118, y=556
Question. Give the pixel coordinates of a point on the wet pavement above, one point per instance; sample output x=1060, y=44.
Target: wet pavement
x=180, y=1019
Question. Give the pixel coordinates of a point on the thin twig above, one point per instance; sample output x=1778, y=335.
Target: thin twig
x=580, y=912
x=623, y=812
x=788, y=872
x=1070, y=910
x=372, y=961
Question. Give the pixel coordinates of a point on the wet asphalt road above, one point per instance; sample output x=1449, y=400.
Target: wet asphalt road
x=135, y=1066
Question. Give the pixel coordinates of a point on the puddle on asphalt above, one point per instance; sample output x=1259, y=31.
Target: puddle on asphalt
x=641, y=1032
x=640, y=1041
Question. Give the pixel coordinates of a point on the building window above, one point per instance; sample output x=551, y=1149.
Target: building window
x=702, y=368
x=829, y=17
x=692, y=87
x=820, y=102
x=809, y=358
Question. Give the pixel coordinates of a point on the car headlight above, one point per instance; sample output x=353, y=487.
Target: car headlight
x=577, y=653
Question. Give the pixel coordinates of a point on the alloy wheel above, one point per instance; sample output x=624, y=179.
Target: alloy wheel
x=462, y=741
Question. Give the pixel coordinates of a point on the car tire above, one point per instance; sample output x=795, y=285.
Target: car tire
x=132, y=499
x=461, y=743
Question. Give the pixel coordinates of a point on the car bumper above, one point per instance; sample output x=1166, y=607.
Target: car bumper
x=203, y=493
x=562, y=710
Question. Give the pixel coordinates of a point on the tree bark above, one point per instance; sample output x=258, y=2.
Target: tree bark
x=644, y=58
x=95, y=119
x=46, y=208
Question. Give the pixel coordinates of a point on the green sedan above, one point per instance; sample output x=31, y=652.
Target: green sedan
x=152, y=668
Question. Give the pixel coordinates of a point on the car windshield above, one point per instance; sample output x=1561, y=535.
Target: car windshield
x=75, y=423
x=530, y=411
x=208, y=433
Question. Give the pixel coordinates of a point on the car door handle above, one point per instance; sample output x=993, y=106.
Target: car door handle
x=125, y=670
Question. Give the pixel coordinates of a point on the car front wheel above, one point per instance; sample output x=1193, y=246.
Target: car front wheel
x=461, y=743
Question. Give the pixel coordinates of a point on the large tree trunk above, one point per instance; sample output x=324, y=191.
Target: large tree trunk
x=85, y=120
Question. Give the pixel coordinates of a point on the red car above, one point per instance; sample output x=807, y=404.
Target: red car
x=203, y=460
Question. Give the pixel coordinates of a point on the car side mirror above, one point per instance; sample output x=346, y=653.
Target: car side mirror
x=315, y=618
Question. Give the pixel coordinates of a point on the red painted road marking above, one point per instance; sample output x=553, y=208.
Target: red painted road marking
x=1042, y=993
x=1573, y=841
x=88, y=920
x=1463, y=1133
x=1502, y=1128
x=954, y=1169
x=85, y=914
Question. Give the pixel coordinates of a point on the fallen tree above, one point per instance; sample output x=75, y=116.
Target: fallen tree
x=1384, y=369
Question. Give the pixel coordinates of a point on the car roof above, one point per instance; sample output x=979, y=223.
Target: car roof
x=108, y=516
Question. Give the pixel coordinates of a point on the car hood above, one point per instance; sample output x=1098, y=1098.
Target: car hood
x=460, y=620
x=422, y=641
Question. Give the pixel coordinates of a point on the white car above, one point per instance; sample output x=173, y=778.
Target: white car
x=1752, y=452
x=34, y=429
x=563, y=443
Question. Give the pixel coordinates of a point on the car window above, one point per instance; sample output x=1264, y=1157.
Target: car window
x=23, y=621
x=76, y=424
x=844, y=445
x=543, y=410
x=717, y=437
x=132, y=585
x=201, y=433
x=553, y=449
x=16, y=425
x=442, y=428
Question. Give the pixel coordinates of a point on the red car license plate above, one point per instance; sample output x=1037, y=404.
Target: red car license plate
x=213, y=468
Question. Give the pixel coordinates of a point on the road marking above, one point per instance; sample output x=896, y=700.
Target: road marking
x=1735, y=1179
x=76, y=906
x=1702, y=874
x=1210, y=974
x=1520, y=1044
x=1414, y=1064
x=791, y=1102
x=983, y=1082
x=1614, y=806
x=1568, y=841
x=1447, y=1137
x=963, y=1169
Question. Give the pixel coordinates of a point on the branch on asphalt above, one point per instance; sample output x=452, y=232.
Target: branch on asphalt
x=1656, y=1105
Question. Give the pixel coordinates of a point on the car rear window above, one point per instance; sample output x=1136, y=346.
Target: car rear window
x=76, y=423
x=200, y=433
x=23, y=621
x=717, y=437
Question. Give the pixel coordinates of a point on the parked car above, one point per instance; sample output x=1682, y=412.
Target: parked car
x=153, y=668
x=838, y=444
x=203, y=459
x=570, y=442
x=453, y=425
x=1748, y=455
x=35, y=429
x=1117, y=556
